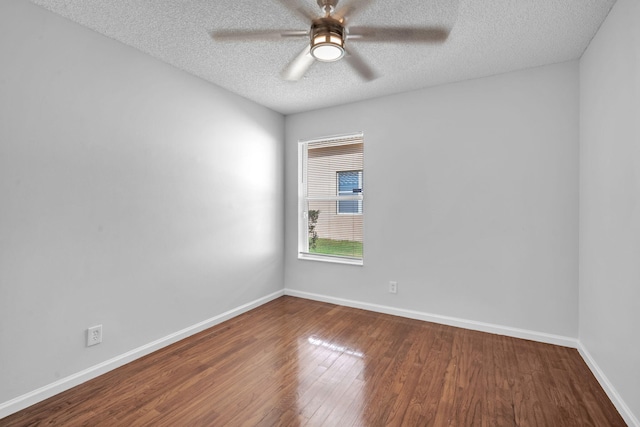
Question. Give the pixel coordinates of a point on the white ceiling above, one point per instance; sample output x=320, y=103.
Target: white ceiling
x=487, y=37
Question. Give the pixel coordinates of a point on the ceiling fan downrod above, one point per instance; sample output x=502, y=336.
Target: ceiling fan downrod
x=328, y=6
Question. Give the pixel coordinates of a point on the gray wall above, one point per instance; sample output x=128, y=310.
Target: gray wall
x=471, y=200
x=131, y=194
x=610, y=200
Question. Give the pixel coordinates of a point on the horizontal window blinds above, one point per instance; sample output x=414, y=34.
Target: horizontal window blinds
x=332, y=197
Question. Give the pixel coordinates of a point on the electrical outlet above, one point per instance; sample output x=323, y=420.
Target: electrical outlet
x=94, y=335
x=393, y=287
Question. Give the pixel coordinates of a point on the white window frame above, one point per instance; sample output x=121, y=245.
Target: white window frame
x=303, y=199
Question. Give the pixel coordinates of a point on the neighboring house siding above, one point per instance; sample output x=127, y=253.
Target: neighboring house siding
x=325, y=184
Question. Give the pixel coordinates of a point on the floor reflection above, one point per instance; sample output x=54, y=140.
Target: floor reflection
x=331, y=391
x=335, y=347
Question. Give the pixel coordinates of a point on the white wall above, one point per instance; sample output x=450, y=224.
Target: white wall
x=131, y=194
x=470, y=196
x=610, y=201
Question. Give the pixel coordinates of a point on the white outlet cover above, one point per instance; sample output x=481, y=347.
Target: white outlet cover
x=94, y=335
x=393, y=287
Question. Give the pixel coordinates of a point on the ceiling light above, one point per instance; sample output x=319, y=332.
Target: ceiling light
x=327, y=40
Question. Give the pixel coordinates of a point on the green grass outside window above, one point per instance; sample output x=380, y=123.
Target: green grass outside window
x=338, y=247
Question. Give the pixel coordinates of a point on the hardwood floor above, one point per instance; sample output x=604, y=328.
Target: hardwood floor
x=296, y=362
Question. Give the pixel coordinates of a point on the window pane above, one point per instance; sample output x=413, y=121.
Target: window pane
x=323, y=165
x=349, y=183
x=349, y=206
x=330, y=234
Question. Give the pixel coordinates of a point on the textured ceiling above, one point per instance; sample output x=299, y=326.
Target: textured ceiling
x=487, y=37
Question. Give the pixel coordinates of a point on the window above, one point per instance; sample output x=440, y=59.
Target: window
x=331, y=198
x=349, y=183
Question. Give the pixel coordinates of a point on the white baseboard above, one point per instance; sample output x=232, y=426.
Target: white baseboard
x=28, y=399
x=445, y=320
x=620, y=405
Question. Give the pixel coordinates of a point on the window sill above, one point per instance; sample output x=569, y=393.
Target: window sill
x=331, y=259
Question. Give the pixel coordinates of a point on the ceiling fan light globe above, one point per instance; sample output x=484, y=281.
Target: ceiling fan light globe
x=327, y=39
x=327, y=52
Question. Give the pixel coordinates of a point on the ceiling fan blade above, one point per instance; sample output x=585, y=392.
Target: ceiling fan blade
x=350, y=9
x=299, y=66
x=296, y=7
x=399, y=34
x=235, y=35
x=358, y=64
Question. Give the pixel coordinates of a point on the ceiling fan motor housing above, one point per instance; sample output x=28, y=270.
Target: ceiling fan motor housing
x=327, y=39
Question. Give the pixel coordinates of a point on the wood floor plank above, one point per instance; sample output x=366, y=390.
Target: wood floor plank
x=295, y=362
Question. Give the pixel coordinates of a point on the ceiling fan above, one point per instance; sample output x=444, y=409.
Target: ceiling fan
x=329, y=34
